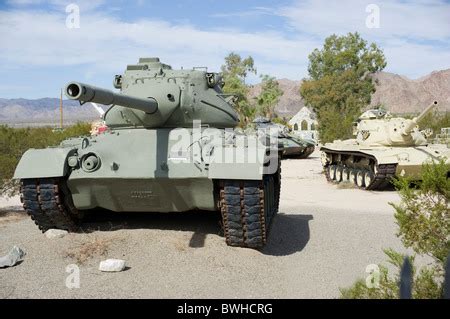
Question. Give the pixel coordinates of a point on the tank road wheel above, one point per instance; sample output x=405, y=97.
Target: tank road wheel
x=327, y=171
x=368, y=178
x=360, y=179
x=352, y=175
x=333, y=172
x=345, y=174
x=339, y=173
x=248, y=208
x=49, y=204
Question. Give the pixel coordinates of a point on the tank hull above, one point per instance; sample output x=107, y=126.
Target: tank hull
x=143, y=195
x=156, y=170
x=168, y=174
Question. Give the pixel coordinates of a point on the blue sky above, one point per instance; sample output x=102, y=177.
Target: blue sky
x=39, y=54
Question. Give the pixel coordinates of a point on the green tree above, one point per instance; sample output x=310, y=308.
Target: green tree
x=235, y=71
x=340, y=82
x=269, y=96
x=424, y=226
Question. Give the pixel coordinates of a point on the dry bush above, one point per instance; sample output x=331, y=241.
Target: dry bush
x=9, y=217
x=86, y=250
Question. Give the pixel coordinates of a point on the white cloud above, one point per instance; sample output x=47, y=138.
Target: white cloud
x=419, y=20
x=257, y=11
x=40, y=38
x=105, y=44
x=415, y=60
x=415, y=35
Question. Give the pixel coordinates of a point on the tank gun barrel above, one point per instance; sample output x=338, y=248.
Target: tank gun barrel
x=411, y=124
x=88, y=93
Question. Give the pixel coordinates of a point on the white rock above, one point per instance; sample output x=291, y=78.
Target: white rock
x=56, y=233
x=112, y=265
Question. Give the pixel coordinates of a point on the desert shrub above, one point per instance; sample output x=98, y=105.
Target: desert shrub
x=15, y=141
x=424, y=226
x=423, y=215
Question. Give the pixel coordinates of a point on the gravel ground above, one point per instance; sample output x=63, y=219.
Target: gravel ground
x=322, y=239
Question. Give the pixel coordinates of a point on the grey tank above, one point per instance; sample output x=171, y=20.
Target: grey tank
x=291, y=146
x=170, y=146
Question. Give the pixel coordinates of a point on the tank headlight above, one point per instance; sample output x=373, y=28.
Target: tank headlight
x=72, y=161
x=90, y=162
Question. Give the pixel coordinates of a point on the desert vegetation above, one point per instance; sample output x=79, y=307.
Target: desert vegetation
x=423, y=221
x=15, y=141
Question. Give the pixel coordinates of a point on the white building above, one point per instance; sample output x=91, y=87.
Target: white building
x=304, y=124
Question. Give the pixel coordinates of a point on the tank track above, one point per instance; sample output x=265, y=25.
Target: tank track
x=385, y=173
x=48, y=204
x=248, y=208
x=382, y=178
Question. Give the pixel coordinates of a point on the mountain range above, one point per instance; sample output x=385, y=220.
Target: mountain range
x=396, y=93
x=45, y=111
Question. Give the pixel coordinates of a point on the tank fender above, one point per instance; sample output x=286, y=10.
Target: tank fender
x=245, y=164
x=41, y=163
x=246, y=171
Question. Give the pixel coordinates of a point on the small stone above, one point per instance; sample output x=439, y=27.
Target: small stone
x=13, y=258
x=112, y=265
x=56, y=233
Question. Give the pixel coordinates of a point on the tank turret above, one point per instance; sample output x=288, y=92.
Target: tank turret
x=153, y=95
x=376, y=128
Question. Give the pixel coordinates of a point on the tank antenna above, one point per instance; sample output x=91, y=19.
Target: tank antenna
x=61, y=111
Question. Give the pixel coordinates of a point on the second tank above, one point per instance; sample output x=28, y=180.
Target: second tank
x=290, y=145
x=384, y=147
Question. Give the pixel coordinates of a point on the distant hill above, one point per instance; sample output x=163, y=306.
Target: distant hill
x=45, y=111
x=402, y=95
x=290, y=102
x=398, y=94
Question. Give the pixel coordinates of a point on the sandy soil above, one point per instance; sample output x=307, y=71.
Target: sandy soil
x=10, y=204
x=322, y=239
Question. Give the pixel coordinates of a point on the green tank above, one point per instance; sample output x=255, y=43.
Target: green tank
x=170, y=146
x=384, y=147
x=291, y=146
